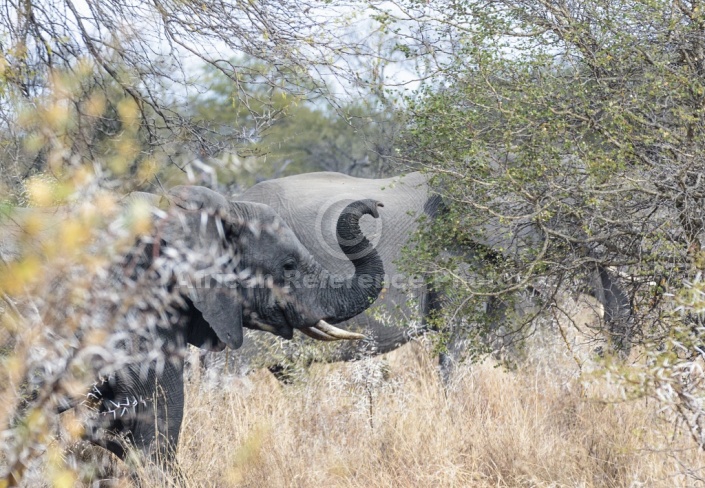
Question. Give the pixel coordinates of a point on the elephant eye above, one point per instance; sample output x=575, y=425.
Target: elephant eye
x=289, y=265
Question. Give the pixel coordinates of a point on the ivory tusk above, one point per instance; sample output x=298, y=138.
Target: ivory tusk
x=317, y=334
x=322, y=331
x=332, y=331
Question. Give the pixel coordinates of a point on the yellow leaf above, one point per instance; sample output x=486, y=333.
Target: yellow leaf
x=148, y=169
x=117, y=165
x=33, y=225
x=13, y=366
x=63, y=191
x=95, y=106
x=17, y=275
x=34, y=142
x=140, y=217
x=8, y=322
x=40, y=191
x=128, y=149
x=36, y=419
x=57, y=116
x=129, y=112
x=72, y=235
x=64, y=479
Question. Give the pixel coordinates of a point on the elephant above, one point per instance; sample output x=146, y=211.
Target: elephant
x=309, y=202
x=246, y=268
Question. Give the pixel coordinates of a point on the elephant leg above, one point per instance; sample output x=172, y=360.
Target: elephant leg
x=459, y=343
x=157, y=431
x=497, y=333
x=143, y=409
x=463, y=336
x=617, y=309
x=446, y=365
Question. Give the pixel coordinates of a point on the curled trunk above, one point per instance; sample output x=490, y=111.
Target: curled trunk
x=355, y=294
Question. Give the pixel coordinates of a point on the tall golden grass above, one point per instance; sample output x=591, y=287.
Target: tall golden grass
x=553, y=421
x=390, y=422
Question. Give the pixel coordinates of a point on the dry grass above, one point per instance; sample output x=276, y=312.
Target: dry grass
x=389, y=422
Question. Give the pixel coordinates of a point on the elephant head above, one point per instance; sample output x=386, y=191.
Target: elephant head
x=273, y=283
x=226, y=265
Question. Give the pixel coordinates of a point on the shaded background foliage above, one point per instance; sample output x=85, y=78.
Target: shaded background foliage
x=585, y=120
x=265, y=58
x=582, y=121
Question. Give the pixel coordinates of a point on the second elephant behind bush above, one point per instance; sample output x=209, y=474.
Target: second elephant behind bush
x=309, y=203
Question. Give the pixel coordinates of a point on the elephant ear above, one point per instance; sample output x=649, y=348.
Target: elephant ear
x=199, y=223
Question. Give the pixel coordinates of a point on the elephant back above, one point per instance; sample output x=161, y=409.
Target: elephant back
x=311, y=204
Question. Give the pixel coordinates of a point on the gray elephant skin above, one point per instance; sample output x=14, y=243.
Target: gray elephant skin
x=310, y=202
x=257, y=255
